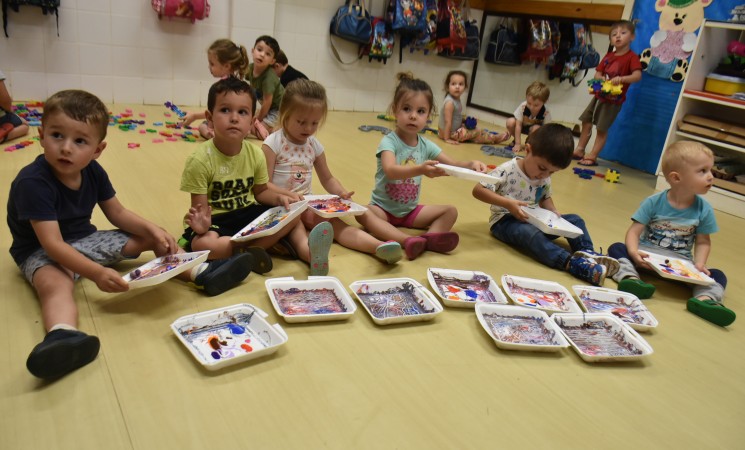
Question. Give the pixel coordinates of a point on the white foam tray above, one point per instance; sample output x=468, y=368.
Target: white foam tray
x=227, y=336
x=347, y=305
x=456, y=295
x=185, y=262
x=624, y=305
x=516, y=319
x=384, y=309
x=281, y=217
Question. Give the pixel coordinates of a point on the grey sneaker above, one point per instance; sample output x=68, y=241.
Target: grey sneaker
x=611, y=264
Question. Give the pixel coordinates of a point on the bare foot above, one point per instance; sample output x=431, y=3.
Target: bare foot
x=199, y=218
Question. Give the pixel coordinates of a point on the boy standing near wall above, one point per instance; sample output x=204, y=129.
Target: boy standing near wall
x=621, y=67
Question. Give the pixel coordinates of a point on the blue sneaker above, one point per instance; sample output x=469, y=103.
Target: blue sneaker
x=611, y=264
x=587, y=270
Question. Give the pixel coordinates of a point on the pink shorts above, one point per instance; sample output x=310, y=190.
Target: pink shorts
x=406, y=221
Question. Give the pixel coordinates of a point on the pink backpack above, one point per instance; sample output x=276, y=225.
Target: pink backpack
x=187, y=9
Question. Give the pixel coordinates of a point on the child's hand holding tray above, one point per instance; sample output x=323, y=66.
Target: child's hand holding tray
x=550, y=223
x=467, y=174
x=163, y=268
x=270, y=222
x=677, y=269
x=329, y=206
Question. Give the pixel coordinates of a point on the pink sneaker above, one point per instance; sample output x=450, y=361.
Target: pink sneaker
x=414, y=246
x=441, y=242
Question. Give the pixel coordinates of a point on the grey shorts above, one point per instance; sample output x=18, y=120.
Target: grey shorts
x=601, y=114
x=103, y=247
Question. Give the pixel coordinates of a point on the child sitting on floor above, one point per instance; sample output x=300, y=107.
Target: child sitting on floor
x=11, y=126
x=530, y=114
x=264, y=80
x=677, y=222
x=228, y=181
x=403, y=156
x=452, y=127
x=293, y=151
x=54, y=242
x=527, y=181
x=225, y=58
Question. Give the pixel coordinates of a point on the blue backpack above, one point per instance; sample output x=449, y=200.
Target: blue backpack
x=47, y=7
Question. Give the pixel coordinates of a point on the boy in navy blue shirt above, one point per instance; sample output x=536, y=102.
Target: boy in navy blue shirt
x=54, y=242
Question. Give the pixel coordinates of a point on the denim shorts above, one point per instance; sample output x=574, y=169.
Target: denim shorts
x=103, y=247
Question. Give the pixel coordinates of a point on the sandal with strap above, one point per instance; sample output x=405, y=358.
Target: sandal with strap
x=587, y=162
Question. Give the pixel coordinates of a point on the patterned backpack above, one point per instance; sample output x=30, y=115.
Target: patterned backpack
x=188, y=9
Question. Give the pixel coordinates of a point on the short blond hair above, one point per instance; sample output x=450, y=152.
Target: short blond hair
x=680, y=153
x=538, y=91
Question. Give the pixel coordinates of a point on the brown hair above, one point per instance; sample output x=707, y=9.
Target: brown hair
x=629, y=25
x=538, y=91
x=408, y=85
x=680, y=153
x=78, y=105
x=228, y=52
x=554, y=143
x=455, y=72
x=302, y=93
x=229, y=84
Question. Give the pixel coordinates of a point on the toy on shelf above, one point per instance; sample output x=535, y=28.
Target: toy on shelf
x=175, y=109
x=605, y=88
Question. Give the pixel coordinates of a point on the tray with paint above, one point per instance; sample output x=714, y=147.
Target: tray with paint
x=545, y=295
x=623, y=305
x=677, y=269
x=163, y=268
x=517, y=328
x=464, y=288
x=550, y=223
x=333, y=206
x=226, y=336
x=311, y=300
x=270, y=222
x=467, y=174
x=395, y=300
x=602, y=337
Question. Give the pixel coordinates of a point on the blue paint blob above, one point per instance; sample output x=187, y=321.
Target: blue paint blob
x=236, y=329
x=471, y=293
x=215, y=355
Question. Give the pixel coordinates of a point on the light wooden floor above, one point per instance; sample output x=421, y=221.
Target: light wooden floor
x=439, y=384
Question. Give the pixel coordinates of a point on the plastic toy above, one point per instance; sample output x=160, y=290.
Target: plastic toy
x=470, y=123
x=175, y=109
x=612, y=176
x=585, y=174
x=604, y=87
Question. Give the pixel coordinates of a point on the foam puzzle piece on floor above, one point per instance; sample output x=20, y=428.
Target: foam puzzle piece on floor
x=366, y=128
x=497, y=151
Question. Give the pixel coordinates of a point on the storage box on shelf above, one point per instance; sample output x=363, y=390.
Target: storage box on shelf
x=726, y=195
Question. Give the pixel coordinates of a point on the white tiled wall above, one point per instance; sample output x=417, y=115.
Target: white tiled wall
x=120, y=51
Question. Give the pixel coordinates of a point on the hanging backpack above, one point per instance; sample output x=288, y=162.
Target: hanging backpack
x=564, y=35
x=472, y=48
x=352, y=22
x=186, y=9
x=540, y=47
x=503, y=45
x=381, y=43
x=426, y=40
x=47, y=7
x=451, y=26
x=582, y=56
